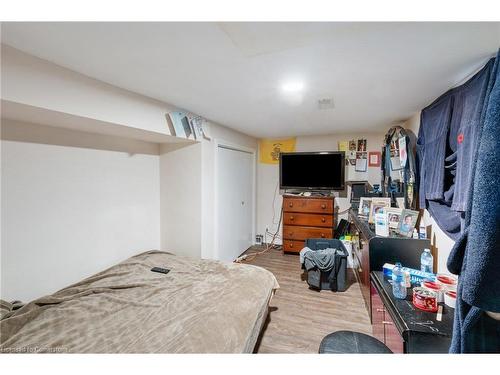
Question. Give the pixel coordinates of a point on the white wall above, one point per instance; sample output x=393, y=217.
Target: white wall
x=73, y=204
x=268, y=198
x=180, y=202
x=440, y=242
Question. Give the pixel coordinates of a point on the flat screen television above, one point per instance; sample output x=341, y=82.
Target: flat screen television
x=312, y=170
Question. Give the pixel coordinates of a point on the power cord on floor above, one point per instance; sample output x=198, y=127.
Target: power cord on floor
x=269, y=246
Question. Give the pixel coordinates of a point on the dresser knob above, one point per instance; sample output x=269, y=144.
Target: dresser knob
x=290, y=204
x=323, y=206
x=291, y=234
x=290, y=245
x=322, y=235
x=323, y=219
x=291, y=218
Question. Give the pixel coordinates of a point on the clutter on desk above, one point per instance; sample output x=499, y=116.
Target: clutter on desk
x=395, y=220
x=421, y=331
x=429, y=289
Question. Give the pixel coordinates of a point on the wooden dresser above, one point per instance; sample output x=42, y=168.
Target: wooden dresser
x=306, y=217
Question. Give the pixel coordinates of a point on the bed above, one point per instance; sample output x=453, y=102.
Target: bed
x=200, y=306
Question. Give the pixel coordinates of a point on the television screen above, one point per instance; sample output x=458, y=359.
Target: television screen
x=312, y=170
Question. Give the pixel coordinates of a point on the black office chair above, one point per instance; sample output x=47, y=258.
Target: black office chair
x=347, y=342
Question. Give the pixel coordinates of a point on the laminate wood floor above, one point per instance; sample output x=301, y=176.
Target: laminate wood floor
x=299, y=317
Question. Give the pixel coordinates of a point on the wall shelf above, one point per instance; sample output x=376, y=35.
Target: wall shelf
x=36, y=115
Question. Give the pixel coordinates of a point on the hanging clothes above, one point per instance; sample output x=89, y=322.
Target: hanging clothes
x=437, y=165
x=476, y=254
x=447, y=139
x=409, y=169
x=469, y=101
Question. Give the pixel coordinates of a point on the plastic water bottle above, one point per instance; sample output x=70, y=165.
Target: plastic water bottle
x=398, y=282
x=422, y=231
x=426, y=261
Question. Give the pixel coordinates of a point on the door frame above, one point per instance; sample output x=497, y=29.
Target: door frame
x=236, y=147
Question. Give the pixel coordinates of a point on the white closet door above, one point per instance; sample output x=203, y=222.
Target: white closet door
x=234, y=202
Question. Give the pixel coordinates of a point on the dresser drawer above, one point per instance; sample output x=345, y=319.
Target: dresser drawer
x=313, y=220
x=293, y=232
x=308, y=205
x=293, y=246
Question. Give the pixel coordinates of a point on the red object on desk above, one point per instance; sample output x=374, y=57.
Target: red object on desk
x=425, y=300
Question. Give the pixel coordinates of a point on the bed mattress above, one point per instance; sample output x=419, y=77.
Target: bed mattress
x=200, y=306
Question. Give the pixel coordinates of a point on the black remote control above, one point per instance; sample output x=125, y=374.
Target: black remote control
x=160, y=270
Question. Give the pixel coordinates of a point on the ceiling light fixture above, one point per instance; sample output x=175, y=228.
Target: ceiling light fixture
x=292, y=87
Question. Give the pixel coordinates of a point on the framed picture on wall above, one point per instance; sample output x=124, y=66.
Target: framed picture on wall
x=362, y=145
x=374, y=158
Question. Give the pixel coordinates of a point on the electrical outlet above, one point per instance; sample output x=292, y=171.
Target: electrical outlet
x=258, y=239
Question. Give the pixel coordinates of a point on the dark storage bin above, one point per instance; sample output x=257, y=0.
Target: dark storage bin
x=321, y=280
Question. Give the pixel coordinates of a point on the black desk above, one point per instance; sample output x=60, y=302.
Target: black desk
x=419, y=330
x=371, y=252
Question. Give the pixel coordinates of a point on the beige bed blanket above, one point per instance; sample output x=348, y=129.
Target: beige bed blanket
x=201, y=306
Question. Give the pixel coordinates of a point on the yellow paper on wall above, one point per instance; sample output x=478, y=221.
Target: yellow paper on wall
x=343, y=145
x=270, y=149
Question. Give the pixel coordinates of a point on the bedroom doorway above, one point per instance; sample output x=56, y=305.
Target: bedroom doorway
x=235, y=201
